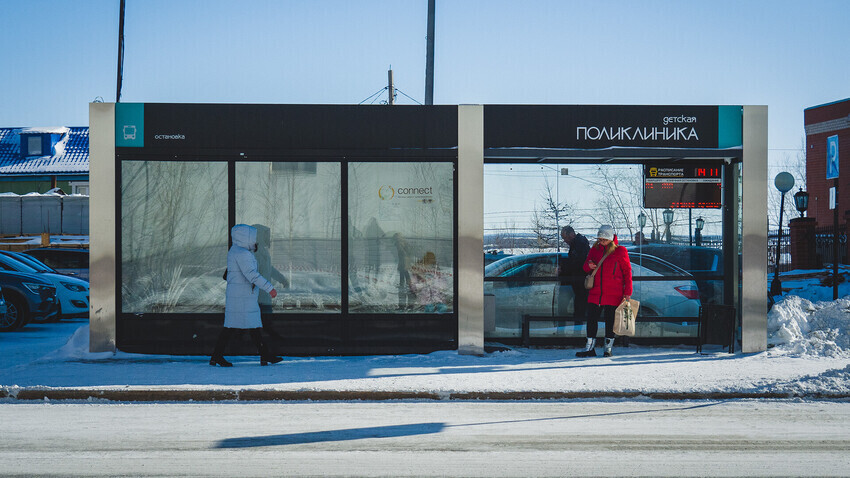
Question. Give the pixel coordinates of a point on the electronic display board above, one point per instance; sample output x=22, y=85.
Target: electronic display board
x=687, y=186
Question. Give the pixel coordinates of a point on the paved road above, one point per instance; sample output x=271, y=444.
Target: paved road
x=577, y=438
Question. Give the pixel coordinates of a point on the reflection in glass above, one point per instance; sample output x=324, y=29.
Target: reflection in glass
x=401, y=219
x=296, y=210
x=524, y=288
x=173, y=236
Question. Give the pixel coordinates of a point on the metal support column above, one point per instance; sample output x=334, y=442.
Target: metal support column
x=102, y=214
x=470, y=200
x=754, y=260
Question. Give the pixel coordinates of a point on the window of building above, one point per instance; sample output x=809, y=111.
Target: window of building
x=173, y=236
x=79, y=187
x=675, y=267
x=34, y=145
x=296, y=210
x=400, y=243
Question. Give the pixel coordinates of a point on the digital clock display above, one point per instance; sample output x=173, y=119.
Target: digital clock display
x=698, y=187
x=707, y=173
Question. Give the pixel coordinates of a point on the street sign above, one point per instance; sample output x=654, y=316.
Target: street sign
x=832, y=157
x=832, y=198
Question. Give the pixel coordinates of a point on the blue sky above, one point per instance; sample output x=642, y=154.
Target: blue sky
x=789, y=55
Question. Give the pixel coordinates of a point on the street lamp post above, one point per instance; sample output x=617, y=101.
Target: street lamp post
x=698, y=235
x=784, y=181
x=801, y=202
x=668, y=219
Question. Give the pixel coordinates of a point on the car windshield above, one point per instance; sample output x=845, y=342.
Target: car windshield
x=11, y=264
x=691, y=258
x=660, y=266
x=521, y=265
x=542, y=264
x=32, y=262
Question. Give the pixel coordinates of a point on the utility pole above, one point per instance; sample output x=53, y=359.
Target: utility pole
x=390, y=87
x=429, y=56
x=120, y=52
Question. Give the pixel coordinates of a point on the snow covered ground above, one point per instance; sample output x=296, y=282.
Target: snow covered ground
x=809, y=356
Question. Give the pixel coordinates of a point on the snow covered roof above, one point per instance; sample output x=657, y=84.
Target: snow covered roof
x=71, y=152
x=45, y=129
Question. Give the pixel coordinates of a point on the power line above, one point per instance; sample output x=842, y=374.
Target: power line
x=405, y=94
x=372, y=95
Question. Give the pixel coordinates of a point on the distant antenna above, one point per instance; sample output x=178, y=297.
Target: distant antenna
x=429, y=56
x=390, y=87
x=120, y=52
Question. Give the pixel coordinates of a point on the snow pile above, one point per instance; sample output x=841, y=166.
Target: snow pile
x=829, y=382
x=76, y=348
x=798, y=327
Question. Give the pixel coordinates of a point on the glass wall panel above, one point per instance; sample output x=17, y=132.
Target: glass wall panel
x=296, y=208
x=401, y=251
x=676, y=265
x=173, y=236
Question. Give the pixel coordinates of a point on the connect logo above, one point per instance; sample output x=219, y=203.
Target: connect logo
x=386, y=192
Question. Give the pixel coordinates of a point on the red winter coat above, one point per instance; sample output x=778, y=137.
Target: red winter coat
x=613, y=280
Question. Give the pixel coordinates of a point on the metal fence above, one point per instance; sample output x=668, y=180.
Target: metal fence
x=824, y=239
x=44, y=213
x=784, y=251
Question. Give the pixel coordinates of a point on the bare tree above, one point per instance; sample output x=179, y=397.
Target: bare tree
x=620, y=192
x=795, y=163
x=549, y=217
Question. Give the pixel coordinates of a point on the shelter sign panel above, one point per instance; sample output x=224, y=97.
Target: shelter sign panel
x=667, y=186
x=606, y=126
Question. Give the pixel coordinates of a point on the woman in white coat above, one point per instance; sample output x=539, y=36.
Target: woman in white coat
x=241, y=309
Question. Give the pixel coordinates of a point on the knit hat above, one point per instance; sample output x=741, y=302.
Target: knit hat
x=605, y=232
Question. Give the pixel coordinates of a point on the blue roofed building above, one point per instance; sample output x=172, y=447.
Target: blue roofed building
x=40, y=159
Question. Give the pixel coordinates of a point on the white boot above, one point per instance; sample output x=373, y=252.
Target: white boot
x=609, y=344
x=588, y=349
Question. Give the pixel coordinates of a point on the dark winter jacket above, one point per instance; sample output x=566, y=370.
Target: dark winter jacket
x=571, y=267
x=613, y=280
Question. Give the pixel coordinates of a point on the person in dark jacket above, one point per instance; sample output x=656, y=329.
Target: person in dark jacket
x=571, y=269
x=611, y=285
x=241, y=306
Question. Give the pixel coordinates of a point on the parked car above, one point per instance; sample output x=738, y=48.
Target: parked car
x=72, y=292
x=493, y=256
x=696, y=260
x=64, y=260
x=678, y=298
x=27, y=296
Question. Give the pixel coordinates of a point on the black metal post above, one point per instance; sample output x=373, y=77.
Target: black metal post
x=120, y=52
x=776, y=284
x=429, y=56
x=835, y=244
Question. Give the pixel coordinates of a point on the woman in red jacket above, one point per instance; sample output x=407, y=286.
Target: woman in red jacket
x=612, y=284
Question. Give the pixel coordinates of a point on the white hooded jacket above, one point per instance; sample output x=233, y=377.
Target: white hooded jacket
x=241, y=309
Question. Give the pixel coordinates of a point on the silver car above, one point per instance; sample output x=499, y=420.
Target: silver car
x=534, y=292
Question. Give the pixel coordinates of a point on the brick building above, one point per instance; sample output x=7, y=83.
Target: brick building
x=822, y=123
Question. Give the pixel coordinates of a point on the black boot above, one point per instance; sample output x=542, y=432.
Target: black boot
x=217, y=357
x=219, y=361
x=266, y=357
x=588, y=349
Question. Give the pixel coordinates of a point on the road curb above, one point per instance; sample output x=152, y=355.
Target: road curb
x=145, y=395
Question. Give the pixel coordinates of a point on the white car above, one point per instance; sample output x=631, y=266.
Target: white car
x=526, y=284
x=71, y=292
